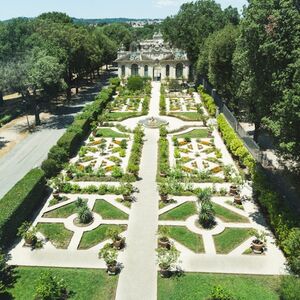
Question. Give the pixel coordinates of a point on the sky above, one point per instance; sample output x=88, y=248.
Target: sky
x=99, y=8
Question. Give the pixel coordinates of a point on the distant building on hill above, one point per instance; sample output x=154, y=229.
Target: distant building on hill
x=153, y=58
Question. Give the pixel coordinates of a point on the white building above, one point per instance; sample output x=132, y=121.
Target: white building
x=153, y=58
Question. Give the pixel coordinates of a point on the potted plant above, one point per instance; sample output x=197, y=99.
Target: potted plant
x=167, y=259
x=258, y=244
x=110, y=254
x=56, y=185
x=85, y=215
x=210, y=130
x=28, y=234
x=126, y=191
x=163, y=189
x=164, y=169
x=163, y=239
x=233, y=190
x=114, y=234
x=237, y=199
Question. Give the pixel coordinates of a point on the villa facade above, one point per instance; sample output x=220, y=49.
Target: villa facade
x=153, y=58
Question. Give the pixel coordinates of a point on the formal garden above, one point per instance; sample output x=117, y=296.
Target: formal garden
x=207, y=221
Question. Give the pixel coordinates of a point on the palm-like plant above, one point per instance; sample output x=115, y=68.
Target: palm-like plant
x=85, y=215
x=206, y=213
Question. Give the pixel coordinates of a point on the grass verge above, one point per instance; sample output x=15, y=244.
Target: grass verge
x=193, y=286
x=231, y=238
x=92, y=238
x=83, y=283
x=58, y=235
x=108, y=211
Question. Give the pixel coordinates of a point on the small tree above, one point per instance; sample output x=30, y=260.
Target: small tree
x=207, y=215
x=50, y=287
x=27, y=233
x=109, y=255
x=167, y=259
x=85, y=215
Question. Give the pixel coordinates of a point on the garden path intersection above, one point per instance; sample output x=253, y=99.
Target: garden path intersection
x=138, y=277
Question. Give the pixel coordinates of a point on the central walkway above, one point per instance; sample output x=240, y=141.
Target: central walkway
x=138, y=279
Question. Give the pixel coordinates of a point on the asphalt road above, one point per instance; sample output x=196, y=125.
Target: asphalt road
x=31, y=152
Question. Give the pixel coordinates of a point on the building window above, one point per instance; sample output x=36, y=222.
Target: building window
x=123, y=70
x=134, y=70
x=179, y=70
x=146, y=71
x=167, y=70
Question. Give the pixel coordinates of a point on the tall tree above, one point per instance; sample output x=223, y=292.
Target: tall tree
x=194, y=22
x=216, y=61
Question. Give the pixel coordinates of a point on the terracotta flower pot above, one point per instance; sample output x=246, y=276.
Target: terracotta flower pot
x=257, y=246
x=127, y=198
x=164, y=197
x=119, y=243
x=164, y=243
x=112, y=268
x=30, y=241
x=233, y=190
x=238, y=200
x=165, y=272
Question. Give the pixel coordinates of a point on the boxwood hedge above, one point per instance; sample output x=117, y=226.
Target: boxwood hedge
x=19, y=203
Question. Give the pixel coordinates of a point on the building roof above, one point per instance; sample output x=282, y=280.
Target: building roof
x=153, y=50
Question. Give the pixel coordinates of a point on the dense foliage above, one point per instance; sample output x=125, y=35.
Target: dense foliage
x=253, y=62
x=43, y=56
x=19, y=203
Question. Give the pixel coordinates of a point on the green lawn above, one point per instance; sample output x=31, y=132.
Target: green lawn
x=109, y=133
x=120, y=116
x=231, y=238
x=197, y=286
x=194, y=134
x=227, y=215
x=96, y=236
x=186, y=116
x=84, y=284
x=62, y=212
x=108, y=211
x=181, y=212
x=187, y=238
x=58, y=235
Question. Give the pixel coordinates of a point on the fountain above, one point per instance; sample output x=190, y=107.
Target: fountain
x=153, y=122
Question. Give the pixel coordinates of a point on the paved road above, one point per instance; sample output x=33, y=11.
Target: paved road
x=30, y=153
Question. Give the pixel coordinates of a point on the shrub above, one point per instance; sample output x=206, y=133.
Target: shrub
x=234, y=144
x=50, y=287
x=85, y=215
x=51, y=167
x=6, y=276
x=136, y=151
x=284, y=222
x=58, y=154
x=289, y=288
x=219, y=293
x=19, y=204
x=208, y=101
x=135, y=83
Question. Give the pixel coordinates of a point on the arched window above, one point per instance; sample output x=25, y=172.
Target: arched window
x=123, y=70
x=146, y=71
x=167, y=70
x=179, y=70
x=134, y=70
